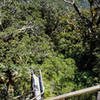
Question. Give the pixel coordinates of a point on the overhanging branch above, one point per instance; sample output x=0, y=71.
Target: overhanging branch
x=70, y=2
x=78, y=11
x=74, y=5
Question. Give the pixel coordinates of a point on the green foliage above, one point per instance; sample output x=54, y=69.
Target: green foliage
x=59, y=74
x=47, y=35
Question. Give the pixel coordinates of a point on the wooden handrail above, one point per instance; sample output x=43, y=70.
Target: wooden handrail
x=20, y=96
x=75, y=93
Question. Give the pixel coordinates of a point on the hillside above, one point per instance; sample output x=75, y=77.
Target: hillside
x=55, y=36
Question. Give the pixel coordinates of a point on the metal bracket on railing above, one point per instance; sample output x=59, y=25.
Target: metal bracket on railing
x=37, y=88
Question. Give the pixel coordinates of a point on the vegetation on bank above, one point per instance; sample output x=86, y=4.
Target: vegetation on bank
x=60, y=38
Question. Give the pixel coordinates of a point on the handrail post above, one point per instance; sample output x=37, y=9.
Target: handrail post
x=98, y=96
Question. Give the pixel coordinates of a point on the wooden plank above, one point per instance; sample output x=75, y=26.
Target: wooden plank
x=76, y=93
x=21, y=96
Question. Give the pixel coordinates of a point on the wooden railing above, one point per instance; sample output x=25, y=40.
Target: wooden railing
x=67, y=95
x=77, y=93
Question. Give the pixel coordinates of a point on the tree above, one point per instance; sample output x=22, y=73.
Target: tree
x=59, y=38
x=59, y=75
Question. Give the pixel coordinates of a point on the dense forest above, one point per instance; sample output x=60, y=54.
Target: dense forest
x=59, y=37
